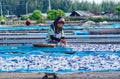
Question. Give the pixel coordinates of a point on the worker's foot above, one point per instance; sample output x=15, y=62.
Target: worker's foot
x=45, y=77
x=55, y=77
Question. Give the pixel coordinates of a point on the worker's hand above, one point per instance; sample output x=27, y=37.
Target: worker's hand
x=63, y=41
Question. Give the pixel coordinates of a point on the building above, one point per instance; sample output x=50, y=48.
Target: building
x=110, y=15
x=80, y=13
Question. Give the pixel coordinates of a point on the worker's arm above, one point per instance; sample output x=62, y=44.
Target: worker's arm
x=54, y=38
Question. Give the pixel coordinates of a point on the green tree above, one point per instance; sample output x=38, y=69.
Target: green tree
x=18, y=7
x=36, y=15
x=75, y=5
x=53, y=14
x=118, y=9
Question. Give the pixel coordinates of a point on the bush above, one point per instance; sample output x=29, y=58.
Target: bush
x=67, y=19
x=53, y=14
x=36, y=15
x=106, y=19
x=2, y=18
x=99, y=19
x=42, y=20
x=118, y=8
x=24, y=17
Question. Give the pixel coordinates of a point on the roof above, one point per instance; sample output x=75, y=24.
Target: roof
x=81, y=13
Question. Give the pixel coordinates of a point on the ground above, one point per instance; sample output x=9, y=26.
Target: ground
x=92, y=75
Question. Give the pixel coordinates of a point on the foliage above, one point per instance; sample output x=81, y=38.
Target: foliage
x=96, y=19
x=53, y=14
x=107, y=19
x=2, y=18
x=99, y=19
x=24, y=17
x=118, y=8
x=36, y=15
x=19, y=7
x=67, y=19
x=76, y=18
x=42, y=20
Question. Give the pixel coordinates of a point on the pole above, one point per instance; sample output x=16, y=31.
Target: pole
x=8, y=13
x=1, y=9
x=49, y=7
x=27, y=8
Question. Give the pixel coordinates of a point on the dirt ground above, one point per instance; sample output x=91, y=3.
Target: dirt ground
x=92, y=75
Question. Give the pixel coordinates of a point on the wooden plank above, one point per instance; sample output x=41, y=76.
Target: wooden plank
x=30, y=33
x=67, y=36
x=32, y=41
x=44, y=45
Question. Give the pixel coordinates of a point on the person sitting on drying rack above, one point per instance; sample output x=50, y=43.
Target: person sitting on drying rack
x=56, y=33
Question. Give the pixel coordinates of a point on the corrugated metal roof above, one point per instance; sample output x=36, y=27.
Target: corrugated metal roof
x=83, y=13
